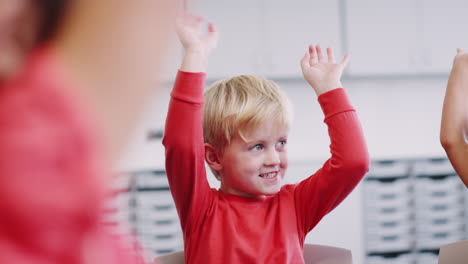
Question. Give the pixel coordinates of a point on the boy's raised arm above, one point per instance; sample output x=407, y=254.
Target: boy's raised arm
x=349, y=161
x=183, y=137
x=454, y=125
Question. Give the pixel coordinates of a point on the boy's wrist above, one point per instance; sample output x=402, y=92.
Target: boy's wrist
x=194, y=61
x=329, y=87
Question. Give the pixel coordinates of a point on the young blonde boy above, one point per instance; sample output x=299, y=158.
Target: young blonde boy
x=252, y=218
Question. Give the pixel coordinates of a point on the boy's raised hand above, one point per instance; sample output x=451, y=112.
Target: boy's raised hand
x=321, y=73
x=198, y=44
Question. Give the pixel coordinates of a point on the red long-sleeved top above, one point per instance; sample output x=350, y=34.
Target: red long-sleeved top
x=224, y=228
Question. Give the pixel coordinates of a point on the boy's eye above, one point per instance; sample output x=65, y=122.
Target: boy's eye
x=257, y=147
x=282, y=143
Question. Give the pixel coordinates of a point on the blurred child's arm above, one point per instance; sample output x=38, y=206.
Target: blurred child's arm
x=349, y=161
x=112, y=49
x=183, y=137
x=453, y=132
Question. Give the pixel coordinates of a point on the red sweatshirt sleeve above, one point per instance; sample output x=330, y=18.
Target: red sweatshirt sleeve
x=185, y=151
x=329, y=186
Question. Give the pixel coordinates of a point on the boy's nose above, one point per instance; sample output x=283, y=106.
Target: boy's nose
x=272, y=158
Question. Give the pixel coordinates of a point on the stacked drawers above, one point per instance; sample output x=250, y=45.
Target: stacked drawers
x=155, y=216
x=439, y=204
x=388, y=213
x=157, y=223
x=411, y=209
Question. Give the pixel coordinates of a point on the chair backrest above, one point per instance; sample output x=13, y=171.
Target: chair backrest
x=320, y=254
x=454, y=253
x=313, y=254
x=172, y=258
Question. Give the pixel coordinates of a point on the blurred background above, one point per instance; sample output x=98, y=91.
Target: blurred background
x=411, y=202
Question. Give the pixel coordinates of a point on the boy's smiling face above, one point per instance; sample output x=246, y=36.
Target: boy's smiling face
x=255, y=167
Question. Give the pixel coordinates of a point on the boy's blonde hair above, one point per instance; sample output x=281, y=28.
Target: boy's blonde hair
x=240, y=104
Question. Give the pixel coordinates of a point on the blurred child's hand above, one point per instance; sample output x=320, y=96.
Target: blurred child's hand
x=189, y=29
x=321, y=74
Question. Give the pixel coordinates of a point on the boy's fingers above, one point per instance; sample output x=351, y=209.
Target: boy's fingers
x=312, y=55
x=319, y=53
x=331, y=56
x=213, y=33
x=459, y=50
x=212, y=28
x=345, y=60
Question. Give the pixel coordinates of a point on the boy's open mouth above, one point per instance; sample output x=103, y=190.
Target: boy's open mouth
x=269, y=175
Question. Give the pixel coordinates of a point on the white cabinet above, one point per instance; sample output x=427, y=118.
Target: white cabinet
x=268, y=37
x=239, y=47
x=382, y=36
x=291, y=26
x=445, y=29
x=404, y=36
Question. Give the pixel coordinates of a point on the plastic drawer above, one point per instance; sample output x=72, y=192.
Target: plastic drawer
x=392, y=243
x=160, y=212
x=386, y=190
x=436, y=240
x=150, y=199
x=158, y=226
x=385, y=169
x=372, y=218
x=157, y=229
x=151, y=179
x=161, y=241
x=389, y=228
x=448, y=184
x=435, y=212
x=381, y=206
x=438, y=229
x=440, y=220
x=433, y=167
x=441, y=197
x=439, y=207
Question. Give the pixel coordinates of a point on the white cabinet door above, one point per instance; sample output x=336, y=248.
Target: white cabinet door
x=291, y=26
x=445, y=29
x=383, y=36
x=239, y=23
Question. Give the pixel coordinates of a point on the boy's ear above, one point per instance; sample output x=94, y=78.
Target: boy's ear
x=212, y=157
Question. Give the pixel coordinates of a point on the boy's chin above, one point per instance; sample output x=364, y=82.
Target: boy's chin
x=270, y=191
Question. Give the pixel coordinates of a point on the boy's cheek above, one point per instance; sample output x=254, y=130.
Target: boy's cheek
x=284, y=160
